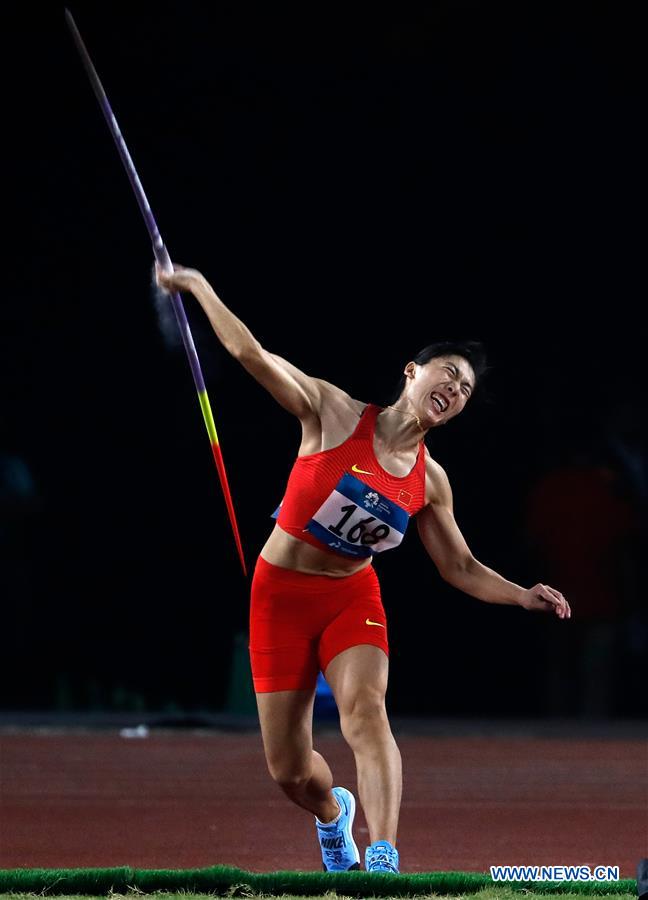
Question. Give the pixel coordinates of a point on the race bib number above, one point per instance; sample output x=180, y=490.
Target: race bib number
x=358, y=521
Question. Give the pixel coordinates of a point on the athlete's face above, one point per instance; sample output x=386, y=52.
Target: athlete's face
x=439, y=389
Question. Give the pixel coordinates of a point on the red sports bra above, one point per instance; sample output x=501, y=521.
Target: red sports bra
x=343, y=501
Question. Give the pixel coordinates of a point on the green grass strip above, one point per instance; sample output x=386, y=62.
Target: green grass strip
x=503, y=893
x=228, y=881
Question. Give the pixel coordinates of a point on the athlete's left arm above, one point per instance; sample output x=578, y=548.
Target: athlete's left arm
x=446, y=545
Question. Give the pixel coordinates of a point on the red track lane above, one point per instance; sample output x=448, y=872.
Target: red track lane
x=197, y=799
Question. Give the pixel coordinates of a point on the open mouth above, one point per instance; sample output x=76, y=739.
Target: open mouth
x=439, y=402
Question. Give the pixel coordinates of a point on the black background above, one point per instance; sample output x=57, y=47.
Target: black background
x=355, y=184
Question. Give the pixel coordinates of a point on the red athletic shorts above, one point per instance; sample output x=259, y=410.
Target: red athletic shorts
x=299, y=622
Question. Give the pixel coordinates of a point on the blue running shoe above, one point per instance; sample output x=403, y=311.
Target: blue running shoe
x=381, y=857
x=339, y=852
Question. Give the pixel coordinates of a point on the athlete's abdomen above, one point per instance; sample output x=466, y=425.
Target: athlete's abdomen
x=291, y=552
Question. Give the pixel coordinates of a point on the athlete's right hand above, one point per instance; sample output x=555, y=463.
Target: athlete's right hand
x=180, y=279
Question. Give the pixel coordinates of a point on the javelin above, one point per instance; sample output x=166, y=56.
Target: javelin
x=164, y=261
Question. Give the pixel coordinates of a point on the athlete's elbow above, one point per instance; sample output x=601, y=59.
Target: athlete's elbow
x=456, y=570
x=248, y=351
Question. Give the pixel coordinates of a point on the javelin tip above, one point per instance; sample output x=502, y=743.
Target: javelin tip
x=72, y=25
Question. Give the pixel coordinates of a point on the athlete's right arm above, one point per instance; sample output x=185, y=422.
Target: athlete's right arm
x=295, y=391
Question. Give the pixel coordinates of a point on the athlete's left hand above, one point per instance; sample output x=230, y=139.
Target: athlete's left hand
x=546, y=599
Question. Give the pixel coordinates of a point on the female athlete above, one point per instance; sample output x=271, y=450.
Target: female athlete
x=360, y=474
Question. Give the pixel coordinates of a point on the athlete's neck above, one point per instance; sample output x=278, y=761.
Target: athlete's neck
x=399, y=429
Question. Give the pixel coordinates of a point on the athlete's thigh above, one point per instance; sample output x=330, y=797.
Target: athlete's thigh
x=358, y=674
x=286, y=719
x=360, y=620
x=286, y=619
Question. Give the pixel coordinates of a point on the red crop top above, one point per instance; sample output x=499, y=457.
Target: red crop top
x=343, y=501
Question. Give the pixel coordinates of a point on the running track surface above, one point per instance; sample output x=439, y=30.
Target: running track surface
x=194, y=799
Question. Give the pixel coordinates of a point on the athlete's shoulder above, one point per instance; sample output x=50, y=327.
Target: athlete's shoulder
x=331, y=389
x=334, y=397
x=437, y=485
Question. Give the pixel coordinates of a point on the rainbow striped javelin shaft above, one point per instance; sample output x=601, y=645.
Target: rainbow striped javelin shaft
x=164, y=260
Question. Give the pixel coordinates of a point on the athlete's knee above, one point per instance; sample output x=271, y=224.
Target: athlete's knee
x=291, y=782
x=363, y=715
x=290, y=777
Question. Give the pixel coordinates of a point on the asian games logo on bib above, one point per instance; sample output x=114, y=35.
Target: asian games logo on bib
x=372, y=499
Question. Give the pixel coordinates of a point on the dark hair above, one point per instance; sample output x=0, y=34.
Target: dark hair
x=473, y=352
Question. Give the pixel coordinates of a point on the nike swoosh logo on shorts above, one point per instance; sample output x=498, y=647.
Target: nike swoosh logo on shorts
x=369, y=622
x=354, y=468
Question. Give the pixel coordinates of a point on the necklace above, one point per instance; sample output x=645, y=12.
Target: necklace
x=405, y=413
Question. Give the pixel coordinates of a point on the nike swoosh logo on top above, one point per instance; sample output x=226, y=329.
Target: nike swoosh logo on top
x=354, y=468
x=369, y=622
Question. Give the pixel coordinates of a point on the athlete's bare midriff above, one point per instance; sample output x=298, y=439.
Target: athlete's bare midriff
x=282, y=549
